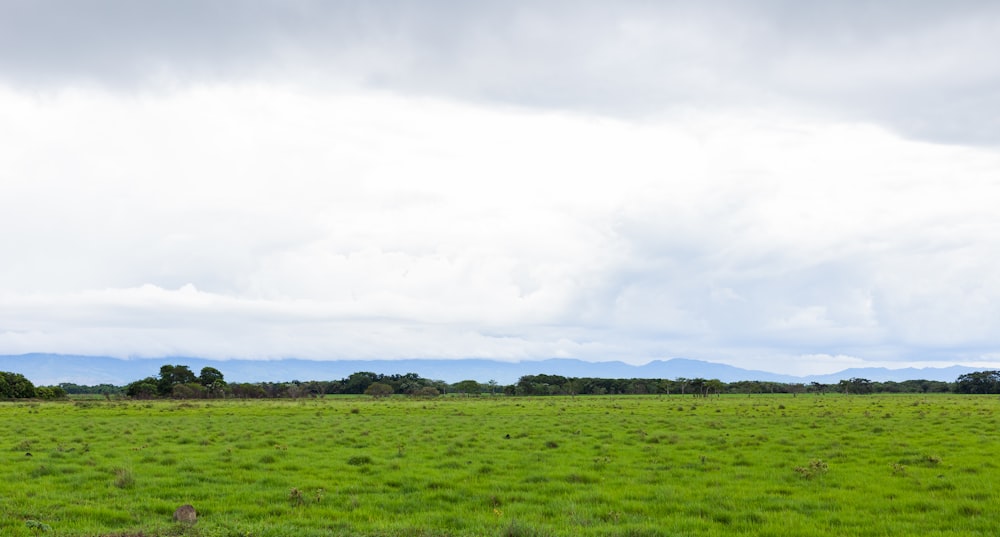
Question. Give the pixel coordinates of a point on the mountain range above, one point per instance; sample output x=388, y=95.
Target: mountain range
x=50, y=369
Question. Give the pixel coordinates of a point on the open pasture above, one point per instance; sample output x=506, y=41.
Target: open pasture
x=643, y=465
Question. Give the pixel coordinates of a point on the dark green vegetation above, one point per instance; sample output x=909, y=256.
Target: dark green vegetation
x=979, y=382
x=808, y=465
x=179, y=382
x=16, y=386
x=559, y=385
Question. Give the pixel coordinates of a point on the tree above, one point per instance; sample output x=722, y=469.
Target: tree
x=210, y=376
x=468, y=387
x=172, y=375
x=50, y=392
x=407, y=383
x=142, y=389
x=213, y=381
x=714, y=386
x=359, y=382
x=681, y=383
x=856, y=385
x=378, y=390
x=189, y=390
x=247, y=391
x=540, y=384
x=102, y=389
x=15, y=386
x=978, y=382
x=698, y=387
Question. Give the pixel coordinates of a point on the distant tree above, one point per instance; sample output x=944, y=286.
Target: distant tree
x=699, y=387
x=714, y=386
x=359, y=382
x=15, y=386
x=631, y=386
x=745, y=386
x=142, y=389
x=378, y=390
x=50, y=392
x=468, y=387
x=210, y=376
x=856, y=385
x=313, y=388
x=213, y=381
x=172, y=375
x=407, y=383
x=541, y=385
x=247, y=391
x=664, y=386
x=682, y=384
x=102, y=389
x=796, y=388
x=978, y=382
x=189, y=390
x=937, y=386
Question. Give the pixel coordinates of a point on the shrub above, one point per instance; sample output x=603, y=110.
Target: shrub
x=36, y=525
x=379, y=390
x=815, y=468
x=516, y=529
x=427, y=391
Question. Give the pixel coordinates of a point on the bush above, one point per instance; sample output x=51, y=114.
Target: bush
x=50, y=392
x=379, y=390
x=815, y=468
x=427, y=391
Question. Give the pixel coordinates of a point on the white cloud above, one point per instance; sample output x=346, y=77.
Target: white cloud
x=518, y=180
x=269, y=221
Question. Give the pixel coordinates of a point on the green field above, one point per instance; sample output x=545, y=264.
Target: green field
x=642, y=465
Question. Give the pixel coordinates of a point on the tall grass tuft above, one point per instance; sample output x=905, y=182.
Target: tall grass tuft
x=124, y=479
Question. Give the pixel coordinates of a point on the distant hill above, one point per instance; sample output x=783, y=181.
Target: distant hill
x=49, y=369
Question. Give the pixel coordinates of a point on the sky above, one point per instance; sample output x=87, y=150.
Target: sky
x=788, y=186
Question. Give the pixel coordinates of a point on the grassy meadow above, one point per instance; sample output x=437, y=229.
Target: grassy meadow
x=629, y=465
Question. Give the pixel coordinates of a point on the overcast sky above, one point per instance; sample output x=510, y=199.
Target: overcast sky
x=791, y=186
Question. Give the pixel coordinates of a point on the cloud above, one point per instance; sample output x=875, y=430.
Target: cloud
x=923, y=69
x=778, y=182
x=261, y=221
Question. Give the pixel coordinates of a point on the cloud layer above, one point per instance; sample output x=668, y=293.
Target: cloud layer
x=925, y=69
x=780, y=187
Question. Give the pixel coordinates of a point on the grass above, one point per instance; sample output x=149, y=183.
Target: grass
x=591, y=466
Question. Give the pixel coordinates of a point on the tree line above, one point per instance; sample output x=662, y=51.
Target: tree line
x=180, y=382
x=701, y=387
x=16, y=386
